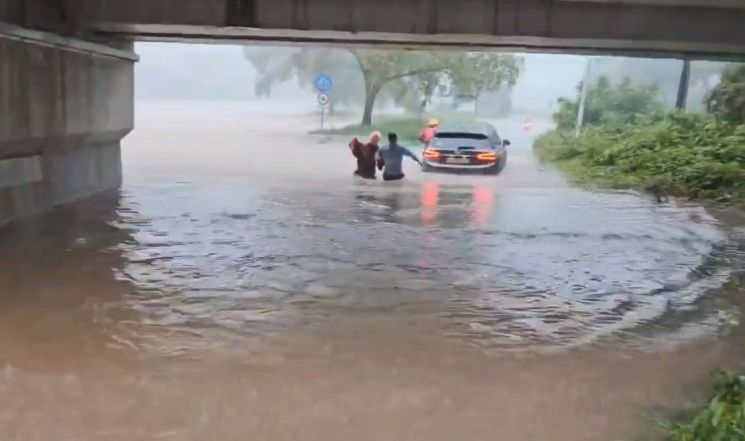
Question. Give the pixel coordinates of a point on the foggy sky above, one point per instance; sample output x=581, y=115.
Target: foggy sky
x=169, y=71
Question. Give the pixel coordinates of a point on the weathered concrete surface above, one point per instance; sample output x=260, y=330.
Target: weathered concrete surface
x=695, y=28
x=64, y=112
x=40, y=14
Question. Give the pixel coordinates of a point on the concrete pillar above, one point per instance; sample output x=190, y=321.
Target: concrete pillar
x=65, y=105
x=683, y=85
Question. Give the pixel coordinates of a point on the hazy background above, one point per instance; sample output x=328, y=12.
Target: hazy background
x=203, y=72
x=189, y=72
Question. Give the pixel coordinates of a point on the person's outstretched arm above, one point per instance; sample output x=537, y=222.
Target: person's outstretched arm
x=408, y=153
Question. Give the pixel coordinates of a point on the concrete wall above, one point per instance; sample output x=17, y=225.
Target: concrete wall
x=63, y=113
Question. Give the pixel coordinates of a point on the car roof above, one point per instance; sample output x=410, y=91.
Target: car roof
x=468, y=127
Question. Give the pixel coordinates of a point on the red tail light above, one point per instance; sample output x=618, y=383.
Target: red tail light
x=432, y=154
x=487, y=156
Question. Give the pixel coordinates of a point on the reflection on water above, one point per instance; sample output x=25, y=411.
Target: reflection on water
x=211, y=305
x=430, y=200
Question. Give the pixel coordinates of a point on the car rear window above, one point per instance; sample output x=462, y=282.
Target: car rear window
x=460, y=135
x=461, y=141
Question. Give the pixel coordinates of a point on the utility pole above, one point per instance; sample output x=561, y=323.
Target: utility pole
x=685, y=77
x=583, y=98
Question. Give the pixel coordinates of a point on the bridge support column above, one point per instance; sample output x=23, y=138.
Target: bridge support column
x=65, y=105
x=683, y=85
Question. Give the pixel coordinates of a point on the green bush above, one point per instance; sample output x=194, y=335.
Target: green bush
x=724, y=417
x=609, y=104
x=682, y=154
x=727, y=100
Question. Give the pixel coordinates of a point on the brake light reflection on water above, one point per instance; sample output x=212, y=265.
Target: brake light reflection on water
x=483, y=202
x=429, y=202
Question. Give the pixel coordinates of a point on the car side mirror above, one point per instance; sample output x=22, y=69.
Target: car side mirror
x=506, y=142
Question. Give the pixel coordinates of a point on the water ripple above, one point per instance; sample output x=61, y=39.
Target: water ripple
x=509, y=268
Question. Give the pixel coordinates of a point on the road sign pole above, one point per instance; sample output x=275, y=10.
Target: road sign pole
x=323, y=101
x=582, y=99
x=323, y=84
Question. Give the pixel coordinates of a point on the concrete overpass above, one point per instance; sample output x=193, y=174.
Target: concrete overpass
x=66, y=66
x=700, y=28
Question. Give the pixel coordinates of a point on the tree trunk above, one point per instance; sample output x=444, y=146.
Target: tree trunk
x=370, y=94
x=367, y=111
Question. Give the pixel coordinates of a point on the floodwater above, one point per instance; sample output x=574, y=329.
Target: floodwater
x=244, y=286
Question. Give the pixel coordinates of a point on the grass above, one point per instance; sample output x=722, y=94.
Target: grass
x=406, y=127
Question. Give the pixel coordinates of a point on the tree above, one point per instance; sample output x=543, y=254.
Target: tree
x=397, y=74
x=609, y=104
x=476, y=73
x=278, y=65
x=359, y=76
x=340, y=64
x=425, y=86
x=380, y=67
x=274, y=65
x=665, y=73
x=727, y=101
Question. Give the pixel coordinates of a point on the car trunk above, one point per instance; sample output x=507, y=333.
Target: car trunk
x=460, y=148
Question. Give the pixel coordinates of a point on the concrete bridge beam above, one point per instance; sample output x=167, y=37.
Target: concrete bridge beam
x=696, y=28
x=65, y=105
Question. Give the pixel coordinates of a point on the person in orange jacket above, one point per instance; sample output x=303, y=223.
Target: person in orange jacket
x=430, y=131
x=366, y=154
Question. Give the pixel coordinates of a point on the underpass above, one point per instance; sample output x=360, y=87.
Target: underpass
x=242, y=283
x=67, y=82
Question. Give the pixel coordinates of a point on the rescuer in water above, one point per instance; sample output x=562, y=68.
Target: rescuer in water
x=390, y=158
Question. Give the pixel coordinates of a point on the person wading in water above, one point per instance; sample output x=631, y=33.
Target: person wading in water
x=365, y=154
x=390, y=158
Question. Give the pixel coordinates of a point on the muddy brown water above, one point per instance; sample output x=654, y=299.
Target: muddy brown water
x=242, y=285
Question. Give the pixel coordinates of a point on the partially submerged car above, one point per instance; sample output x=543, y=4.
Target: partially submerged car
x=474, y=147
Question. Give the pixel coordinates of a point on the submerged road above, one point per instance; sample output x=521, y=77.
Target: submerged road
x=245, y=285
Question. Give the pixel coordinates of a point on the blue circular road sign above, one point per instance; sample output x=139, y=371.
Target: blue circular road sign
x=323, y=82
